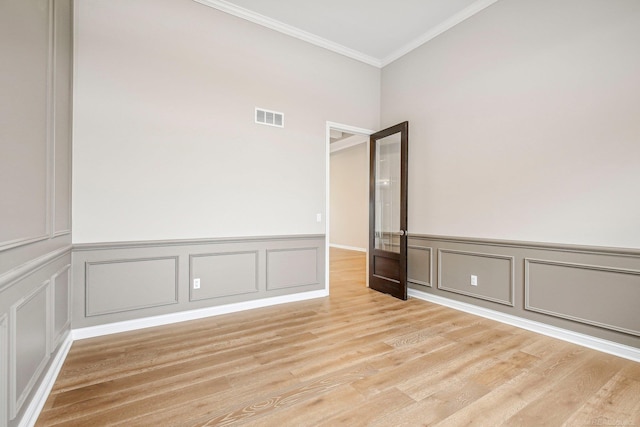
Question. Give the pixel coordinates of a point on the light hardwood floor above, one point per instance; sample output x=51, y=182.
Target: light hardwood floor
x=356, y=358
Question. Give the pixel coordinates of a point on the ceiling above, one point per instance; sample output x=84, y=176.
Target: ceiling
x=376, y=32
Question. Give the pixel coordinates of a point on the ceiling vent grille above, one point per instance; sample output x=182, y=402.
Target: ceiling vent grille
x=270, y=118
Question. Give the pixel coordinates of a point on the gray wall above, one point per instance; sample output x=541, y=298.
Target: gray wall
x=524, y=127
x=131, y=280
x=35, y=177
x=172, y=177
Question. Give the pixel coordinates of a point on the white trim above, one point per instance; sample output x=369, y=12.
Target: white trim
x=36, y=404
x=434, y=32
x=349, y=248
x=292, y=31
x=352, y=141
x=289, y=30
x=17, y=400
x=347, y=129
x=183, y=316
x=594, y=343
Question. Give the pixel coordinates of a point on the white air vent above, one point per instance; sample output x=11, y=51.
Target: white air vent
x=271, y=118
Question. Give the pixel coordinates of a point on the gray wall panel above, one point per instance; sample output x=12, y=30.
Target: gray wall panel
x=585, y=289
x=35, y=171
x=61, y=303
x=129, y=284
x=495, y=275
x=419, y=265
x=224, y=274
x=287, y=268
x=584, y=293
x=231, y=271
x=29, y=344
x=27, y=298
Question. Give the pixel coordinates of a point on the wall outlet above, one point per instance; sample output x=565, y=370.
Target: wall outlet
x=196, y=283
x=319, y=217
x=474, y=280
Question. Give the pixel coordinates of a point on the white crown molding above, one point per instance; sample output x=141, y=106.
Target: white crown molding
x=465, y=13
x=290, y=30
x=588, y=341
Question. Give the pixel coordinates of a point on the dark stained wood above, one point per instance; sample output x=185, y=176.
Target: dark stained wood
x=387, y=268
x=388, y=262
x=357, y=358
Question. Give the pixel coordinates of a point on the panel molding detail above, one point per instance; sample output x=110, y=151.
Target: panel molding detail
x=58, y=335
x=231, y=270
x=510, y=301
x=255, y=275
x=279, y=278
x=10, y=244
x=529, y=285
x=91, y=311
x=13, y=276
x=428, y=283
x=586, y=289
x=18, y=397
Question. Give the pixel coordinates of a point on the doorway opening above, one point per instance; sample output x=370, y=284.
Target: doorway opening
x=347, y=191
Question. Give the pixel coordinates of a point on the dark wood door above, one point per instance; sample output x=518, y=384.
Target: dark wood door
x=388, y=210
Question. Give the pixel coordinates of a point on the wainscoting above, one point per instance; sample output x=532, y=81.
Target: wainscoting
x=588, y=290
x=35, y=206
x=35, y=303
x=116, y=282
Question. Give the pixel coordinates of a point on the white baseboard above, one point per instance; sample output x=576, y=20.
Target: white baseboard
x=349, y=248
x=599, y=344
x=183, y=316
x=32, y=412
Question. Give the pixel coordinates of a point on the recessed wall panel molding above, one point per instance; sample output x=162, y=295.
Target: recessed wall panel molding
x=121, y=281
x=24, y=179
x=61, y=79
x=60, y=304
x=494, y=275
x=4, y=370
x=29, y=349
x=602, y=296
x=584, y=289
x=420, y=265
x=288, y=268
x=223, y=274
x=129, y=284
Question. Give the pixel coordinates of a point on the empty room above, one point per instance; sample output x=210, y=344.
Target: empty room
x=243, y=212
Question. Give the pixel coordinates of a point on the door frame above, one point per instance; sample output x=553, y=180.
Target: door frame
x=327, y=217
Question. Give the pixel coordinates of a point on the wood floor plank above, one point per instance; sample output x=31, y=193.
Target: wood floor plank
x=568, y=395
x=355, y=358
x=616, y=403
